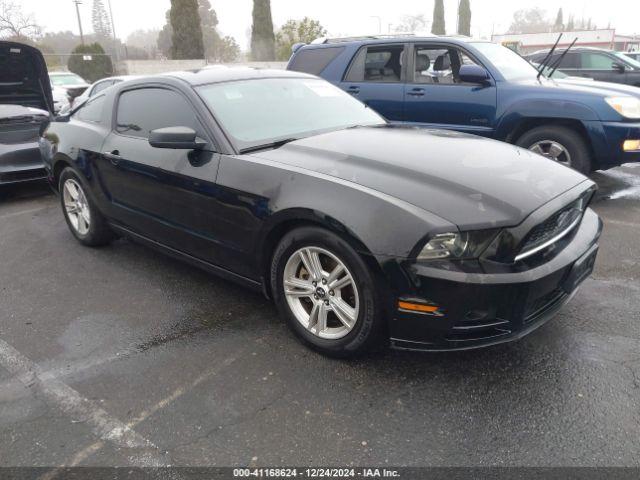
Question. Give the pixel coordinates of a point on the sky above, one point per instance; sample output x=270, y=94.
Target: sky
x=339, y=17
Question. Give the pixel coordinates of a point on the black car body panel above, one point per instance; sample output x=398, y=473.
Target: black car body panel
x=25, y=103
x=386, y=190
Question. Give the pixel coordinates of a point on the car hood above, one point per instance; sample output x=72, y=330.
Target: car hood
x=470, y=181
x=604, y=88
x=24, y=79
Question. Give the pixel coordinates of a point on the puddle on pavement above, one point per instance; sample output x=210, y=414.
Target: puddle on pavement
x=195, y=322
x=619, y=183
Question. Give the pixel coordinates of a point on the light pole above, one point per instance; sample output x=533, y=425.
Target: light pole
x=79, y=2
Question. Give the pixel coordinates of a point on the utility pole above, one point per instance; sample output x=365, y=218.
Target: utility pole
x=79, y=2
x=113, y=31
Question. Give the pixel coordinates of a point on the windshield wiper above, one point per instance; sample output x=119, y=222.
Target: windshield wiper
x=557, y=63
x=276, y=144
x=543, y=64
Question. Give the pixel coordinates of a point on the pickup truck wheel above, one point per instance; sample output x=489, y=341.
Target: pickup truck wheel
x=560, y=144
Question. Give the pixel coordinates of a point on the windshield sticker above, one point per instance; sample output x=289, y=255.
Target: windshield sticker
x=232, y=94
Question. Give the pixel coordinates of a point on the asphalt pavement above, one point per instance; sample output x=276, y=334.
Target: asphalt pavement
x=122, y=356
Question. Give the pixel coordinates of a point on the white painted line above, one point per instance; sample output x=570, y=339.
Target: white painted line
x=103, y=425
x=22, y=212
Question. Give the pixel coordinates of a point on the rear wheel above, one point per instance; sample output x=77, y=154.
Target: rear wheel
x=83, y=218
x=560, y=144
x=326, y=292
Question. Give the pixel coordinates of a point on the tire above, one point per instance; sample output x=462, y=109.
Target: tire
x=361, y=295
x=568, y=139
x=86, y=223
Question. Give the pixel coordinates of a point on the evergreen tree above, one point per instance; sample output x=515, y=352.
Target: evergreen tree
x=571, y=23
x=559, y=25
x=263, y=47
x=98, y=67
x=438, y=27
x=186, y=39
x=464, y=18
x=100, y=20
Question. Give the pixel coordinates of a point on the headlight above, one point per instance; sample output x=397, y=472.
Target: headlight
x=457, y=245
x=626, y=106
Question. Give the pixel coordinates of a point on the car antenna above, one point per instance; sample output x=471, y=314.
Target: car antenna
x=543, y=64
x=557, y=63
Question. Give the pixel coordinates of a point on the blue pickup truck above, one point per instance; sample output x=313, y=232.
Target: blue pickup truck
x=485, y=89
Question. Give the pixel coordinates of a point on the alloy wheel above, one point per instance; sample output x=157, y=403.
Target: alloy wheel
x=552, y=150
x=76, y=206
x=321, y=292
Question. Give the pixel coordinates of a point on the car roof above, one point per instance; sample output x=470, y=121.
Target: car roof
x=573, y=49
x=386, y=39
x=206, y=75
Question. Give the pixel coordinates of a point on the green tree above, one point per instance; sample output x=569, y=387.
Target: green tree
x=296, y=31
x=464, y=18
x=438, y=26
x=226, y=50
x=559, y=25
x=186, y=39
x=530, y=20
x=100, y=20
x=571, y=24
x=208, y=23
x=90, y=62
x=263, y=47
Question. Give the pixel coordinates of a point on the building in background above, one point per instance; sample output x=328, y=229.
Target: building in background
x=607, y=38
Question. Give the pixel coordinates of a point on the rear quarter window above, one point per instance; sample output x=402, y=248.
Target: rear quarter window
x=314, y=60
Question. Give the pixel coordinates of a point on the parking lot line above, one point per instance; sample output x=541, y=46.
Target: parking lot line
x=103, y=425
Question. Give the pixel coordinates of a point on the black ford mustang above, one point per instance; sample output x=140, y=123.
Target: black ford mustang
x=359, y=230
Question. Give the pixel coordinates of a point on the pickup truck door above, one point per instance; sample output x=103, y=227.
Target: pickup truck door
x=376, y=77
x=435, y=97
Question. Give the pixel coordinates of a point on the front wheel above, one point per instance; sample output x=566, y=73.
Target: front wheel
x=326, y=293
x=560, y=144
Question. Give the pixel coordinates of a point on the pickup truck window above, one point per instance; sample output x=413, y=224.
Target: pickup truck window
x=596, y=61
x=377, y=64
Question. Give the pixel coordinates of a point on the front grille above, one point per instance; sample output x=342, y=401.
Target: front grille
x=23, y=176
x=478, y=326
x=557, y=225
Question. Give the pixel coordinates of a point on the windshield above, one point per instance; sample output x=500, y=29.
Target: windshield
x=259, y=112
x=511, y=65
x=629, y=60
x=547, y=71
x=65, y=79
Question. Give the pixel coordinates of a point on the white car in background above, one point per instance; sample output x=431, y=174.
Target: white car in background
x=95, y=88
x=66, y=86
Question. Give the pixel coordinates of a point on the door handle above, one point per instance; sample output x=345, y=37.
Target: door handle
x=353, y=90
x=113, y=156
x=416, y=92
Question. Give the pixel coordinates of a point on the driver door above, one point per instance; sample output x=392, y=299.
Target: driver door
x=435, y=96
x=168, y=195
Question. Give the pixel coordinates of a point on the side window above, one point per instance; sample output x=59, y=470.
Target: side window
x=438, y=65
x=145, y=109
x=570, y=60
x=314, y=60
x=101, y=86
x=91, y=111
x=596, y=61
x=377, y=64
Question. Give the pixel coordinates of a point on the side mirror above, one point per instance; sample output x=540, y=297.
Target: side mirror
x=473, y=74
x=180, y=138
x=619, y=67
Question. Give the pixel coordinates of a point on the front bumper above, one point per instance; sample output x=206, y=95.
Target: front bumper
x=480, y=309
x=616, y=133
x=21, y=162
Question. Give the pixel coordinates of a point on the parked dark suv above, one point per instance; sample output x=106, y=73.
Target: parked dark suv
x=485, y=89
x=601, y=65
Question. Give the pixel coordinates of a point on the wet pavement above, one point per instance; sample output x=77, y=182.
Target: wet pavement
x=122, y=356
